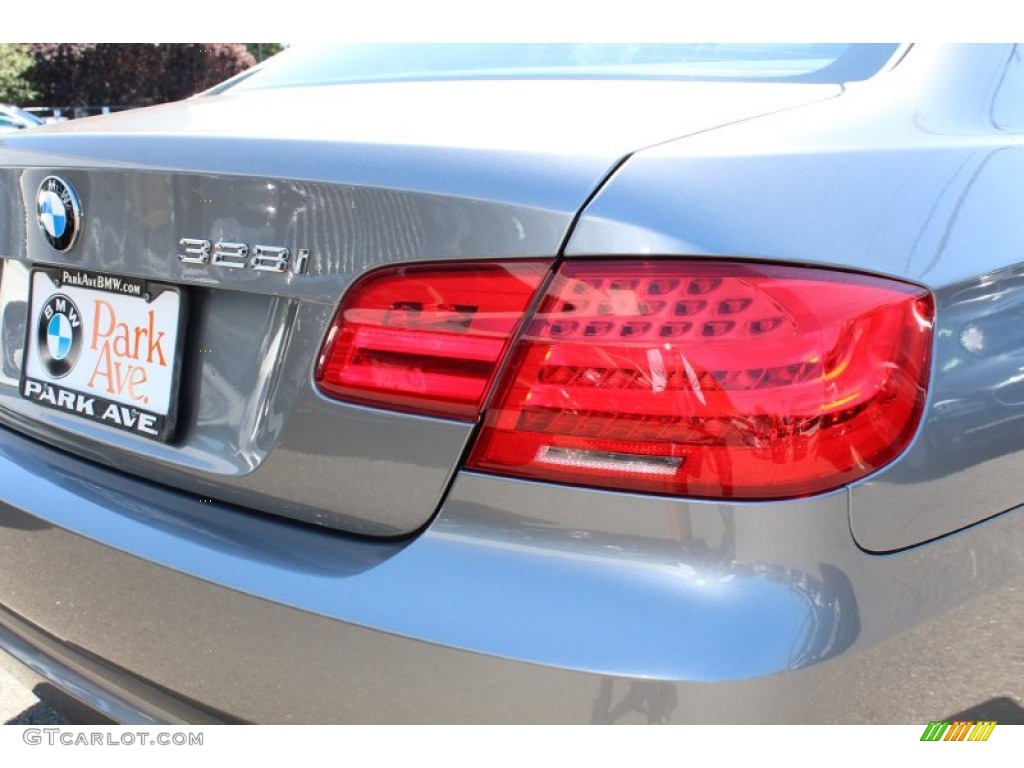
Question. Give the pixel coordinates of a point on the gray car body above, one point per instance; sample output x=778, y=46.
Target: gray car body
x=466, y=597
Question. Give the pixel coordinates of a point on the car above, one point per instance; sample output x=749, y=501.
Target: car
x=13, y=118
x=526, y=383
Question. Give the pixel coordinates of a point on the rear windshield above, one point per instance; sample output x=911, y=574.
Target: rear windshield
x=318, y=64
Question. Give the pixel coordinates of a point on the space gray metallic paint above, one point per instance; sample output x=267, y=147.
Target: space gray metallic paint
x=773, y=603
x=656, y=609
x=377, y=179
x=914, y=175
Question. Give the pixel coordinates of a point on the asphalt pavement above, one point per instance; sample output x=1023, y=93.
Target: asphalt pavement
x=18, y=704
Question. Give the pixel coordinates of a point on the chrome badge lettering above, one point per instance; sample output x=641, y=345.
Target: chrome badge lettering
x=194, y=251
x=261, y=258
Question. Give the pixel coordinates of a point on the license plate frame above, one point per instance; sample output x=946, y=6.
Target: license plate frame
x=58, y=351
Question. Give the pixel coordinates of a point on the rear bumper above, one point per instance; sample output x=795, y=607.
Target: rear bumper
x=518, y=604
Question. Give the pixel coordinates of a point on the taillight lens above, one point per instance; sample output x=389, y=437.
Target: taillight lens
x=426, y=338
x=711, y=379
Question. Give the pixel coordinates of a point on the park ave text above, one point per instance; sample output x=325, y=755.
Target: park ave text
x=115, y=340
x=117, y=370
x=93, y=407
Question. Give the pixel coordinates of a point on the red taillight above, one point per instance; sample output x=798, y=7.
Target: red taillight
x=426, y=338
x=711, y=379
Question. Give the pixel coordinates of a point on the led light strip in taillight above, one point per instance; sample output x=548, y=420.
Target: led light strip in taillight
x=699, y=378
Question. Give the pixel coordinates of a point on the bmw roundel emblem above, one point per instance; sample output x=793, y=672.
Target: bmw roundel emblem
x=59, y=212
x=59, y=335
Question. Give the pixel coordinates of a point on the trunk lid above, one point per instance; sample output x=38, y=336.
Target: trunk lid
x=352, y=177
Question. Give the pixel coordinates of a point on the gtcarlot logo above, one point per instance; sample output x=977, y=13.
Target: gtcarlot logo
x=69, y=737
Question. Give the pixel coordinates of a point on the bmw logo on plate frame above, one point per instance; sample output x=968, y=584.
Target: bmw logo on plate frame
x=59, y=335
x=59, y=213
